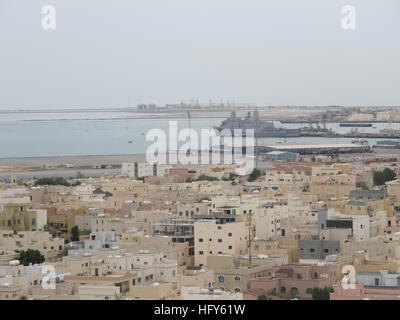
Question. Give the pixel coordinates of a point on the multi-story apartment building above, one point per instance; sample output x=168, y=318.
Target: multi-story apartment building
x=143, y=169
x=335, y=186
x=315, y=248
x=233, y=273
x=18, y=217
x=15, y=194
x=268, y=220
x=212, y=237
x=43, y=241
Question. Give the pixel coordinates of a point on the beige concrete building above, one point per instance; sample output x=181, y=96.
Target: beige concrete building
x=233, y=274
x=197, y=293
x=171, y=250
x=212, y=238
x=48, y=245
x=335, y=186
x=196, y=276
x=99, y=292
x=153, y=291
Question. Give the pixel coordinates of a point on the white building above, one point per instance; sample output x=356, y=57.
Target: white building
x=143, y=169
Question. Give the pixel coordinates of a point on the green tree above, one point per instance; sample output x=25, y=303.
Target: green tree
x=254, y=175
x=294, y=292
x=30, y=256
x=63, y=252
x=52, y=182
x=272, y=292
x=380, y=177
x=321, y=293
x=74, y=233
x=79, y=175
x=362, y=185
x=262, y=297
x=232, y=176
x=204, y=177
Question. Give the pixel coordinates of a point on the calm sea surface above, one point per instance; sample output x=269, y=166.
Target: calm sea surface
x=40, y=134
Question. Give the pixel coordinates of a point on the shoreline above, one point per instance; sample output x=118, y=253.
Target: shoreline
x=26, y=168
x=89, y=159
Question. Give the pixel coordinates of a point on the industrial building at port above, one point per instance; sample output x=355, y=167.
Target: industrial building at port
x=304, y=149
x=314, y=148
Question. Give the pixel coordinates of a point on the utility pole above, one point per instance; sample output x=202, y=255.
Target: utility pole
x=255, y=132
x=249, y=215
x=363, y=146
x=190, y=133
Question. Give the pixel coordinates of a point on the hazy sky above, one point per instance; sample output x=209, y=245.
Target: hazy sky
x=273, y=52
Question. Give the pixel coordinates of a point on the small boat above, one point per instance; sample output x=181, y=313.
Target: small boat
x=142, y=133
x=130, y=141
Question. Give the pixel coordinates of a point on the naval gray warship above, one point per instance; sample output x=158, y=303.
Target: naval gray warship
x=261, y=128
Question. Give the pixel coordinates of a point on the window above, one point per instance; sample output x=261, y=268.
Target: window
x=230, y=234
x=201, y=240
x=237, y=278
x=309, y=290
x=230, y=247
x=221, y=279
x=219, y=240
x=200, y=252
x=283, y=289
x=299, y=276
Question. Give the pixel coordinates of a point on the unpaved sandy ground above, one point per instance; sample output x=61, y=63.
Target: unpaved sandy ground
x=28, y=168
x=77, y=161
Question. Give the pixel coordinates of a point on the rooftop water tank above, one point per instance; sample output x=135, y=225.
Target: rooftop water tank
x=14, y=263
